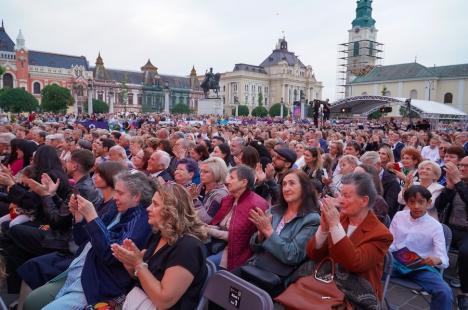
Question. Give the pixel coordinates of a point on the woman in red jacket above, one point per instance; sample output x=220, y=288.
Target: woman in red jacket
x=231, y=223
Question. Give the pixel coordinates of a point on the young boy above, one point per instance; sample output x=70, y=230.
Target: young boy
x=422, y=234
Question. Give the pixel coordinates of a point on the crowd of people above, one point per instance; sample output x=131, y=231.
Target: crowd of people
x=130, y=214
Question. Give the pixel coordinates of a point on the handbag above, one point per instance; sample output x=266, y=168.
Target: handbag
x=317, y=291
x=215, y=246
x=267, y=272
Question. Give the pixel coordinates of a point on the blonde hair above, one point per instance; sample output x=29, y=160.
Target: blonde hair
x=218, y=168
x=435, y=168
x=178, y=215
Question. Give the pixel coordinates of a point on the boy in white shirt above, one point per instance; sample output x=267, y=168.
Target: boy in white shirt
x=422, y=234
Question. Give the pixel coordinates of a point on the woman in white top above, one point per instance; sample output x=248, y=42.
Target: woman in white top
x=418, y=232
x=429, y=172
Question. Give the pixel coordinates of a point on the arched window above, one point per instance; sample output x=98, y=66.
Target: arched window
x=7, y=80
x=36, y=88
x=356, y=49
x=414, y=94
x=364, y=94
x=448, y=98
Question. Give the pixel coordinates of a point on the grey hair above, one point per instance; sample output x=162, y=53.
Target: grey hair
x=137, y=183
x=164, y=158
x=370, y=158
x=239, y=139
x=353, y=160
x=218, y=168
x=119, y=150
x=364, y=185
x=244, y=172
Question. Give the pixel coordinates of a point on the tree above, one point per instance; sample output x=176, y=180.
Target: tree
x=375, y=115
x=243, y=110
x=180, y=108
x=2, y=71
x=99, y=106
x=260, y=99
x=275, y=110
x=384, y=91
x=260, y=112
x=56, y=98
x=17, y=100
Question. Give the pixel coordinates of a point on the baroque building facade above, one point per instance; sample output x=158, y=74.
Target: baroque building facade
x=280, y=78
x=33, y=70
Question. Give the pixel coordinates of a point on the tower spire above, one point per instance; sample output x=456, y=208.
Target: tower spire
x=364, y=14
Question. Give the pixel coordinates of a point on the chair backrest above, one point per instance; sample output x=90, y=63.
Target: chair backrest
x=232, y=293
x=448, y=236
x=387, y=273
x=387, y=221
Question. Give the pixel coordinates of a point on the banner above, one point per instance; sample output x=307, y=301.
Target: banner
x=90, y=124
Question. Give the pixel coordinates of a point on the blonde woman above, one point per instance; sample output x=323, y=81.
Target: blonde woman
x=174, y=254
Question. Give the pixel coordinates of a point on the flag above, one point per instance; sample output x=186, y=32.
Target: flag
x=90, y=124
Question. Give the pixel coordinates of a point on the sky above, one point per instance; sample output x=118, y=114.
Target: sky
x=179, y=34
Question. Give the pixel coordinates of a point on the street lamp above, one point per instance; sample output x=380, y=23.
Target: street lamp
x=166, y=97
x=90, y=96
x=281, y=107
x=429, y=87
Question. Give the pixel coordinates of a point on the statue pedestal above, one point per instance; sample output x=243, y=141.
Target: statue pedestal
x=210, y=106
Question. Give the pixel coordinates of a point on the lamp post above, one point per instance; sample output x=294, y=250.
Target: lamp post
x=281, y=107
x=90, y=96
x=408, y=106
x=429, y=87
x=166, y=97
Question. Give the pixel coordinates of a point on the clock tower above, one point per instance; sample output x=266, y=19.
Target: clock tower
x=362, y=52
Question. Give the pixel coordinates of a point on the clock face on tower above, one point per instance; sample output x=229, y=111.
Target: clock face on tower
x=356, y=30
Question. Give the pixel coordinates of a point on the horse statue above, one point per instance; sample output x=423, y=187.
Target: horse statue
x=211, y=81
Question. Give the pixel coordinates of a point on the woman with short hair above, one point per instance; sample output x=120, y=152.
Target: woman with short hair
x=353, y=236
x=207, y=198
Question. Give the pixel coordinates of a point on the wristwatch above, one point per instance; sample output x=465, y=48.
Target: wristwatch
x=137, y=268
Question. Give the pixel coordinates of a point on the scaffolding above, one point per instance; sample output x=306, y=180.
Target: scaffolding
x=356, y=59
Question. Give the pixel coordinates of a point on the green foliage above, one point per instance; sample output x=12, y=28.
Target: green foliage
x=260, y=112
x=17, y=100
x=260, y=100
x=2, y=70
x=375, y=115
x=384, y=91
x=404, y=112
x=180, y=108
x=99, y=106
x=56, y=98
x=275, y=110
x=243, y=110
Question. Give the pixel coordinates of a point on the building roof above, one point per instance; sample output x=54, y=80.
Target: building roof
x=281, y=53
x=6, y=43
x=136, y=77
x=252, y=68
x=451, y=71
x=37, y=58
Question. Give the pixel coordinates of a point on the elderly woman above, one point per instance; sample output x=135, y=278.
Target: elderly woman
x=429, y=172
x=186, y=171
x=231, y=222
x=410, y=159
x=174, y=254
x=282, y=237
x=213, y=173
x=353, y=237
x=95, y=274
x=140, y=160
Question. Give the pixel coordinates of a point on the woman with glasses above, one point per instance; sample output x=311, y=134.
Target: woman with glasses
x=207, y=198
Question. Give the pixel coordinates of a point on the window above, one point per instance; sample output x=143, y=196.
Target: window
x=253, y=87
x=246, y=99
x=139, y=99
x=224, y=88
x=7, y=80
x=371, y=48
x=414, y=94
x=36, y=88
x=130, y=98
x=356, y=49
x=266, y=101
x=235, y=86
x=246, y=87
x=448, y=98
x=99, y=96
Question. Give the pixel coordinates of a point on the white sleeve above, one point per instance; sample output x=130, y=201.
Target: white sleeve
x=440, y=249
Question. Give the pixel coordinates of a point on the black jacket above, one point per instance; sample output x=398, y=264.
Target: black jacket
x=391, y=189
x=444, y=203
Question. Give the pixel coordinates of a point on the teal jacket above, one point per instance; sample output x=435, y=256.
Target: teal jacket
x=289, y=246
